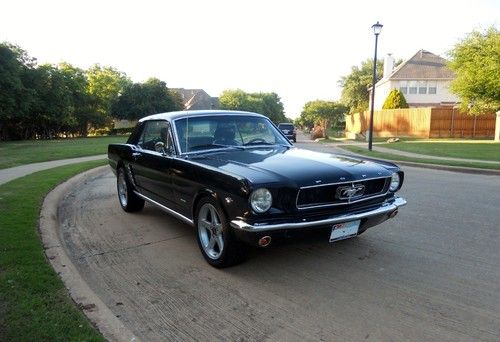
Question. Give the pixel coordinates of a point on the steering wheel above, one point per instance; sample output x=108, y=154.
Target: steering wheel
x=257, y=140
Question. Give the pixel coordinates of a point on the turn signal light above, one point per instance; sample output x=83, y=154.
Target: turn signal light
x=264, y=241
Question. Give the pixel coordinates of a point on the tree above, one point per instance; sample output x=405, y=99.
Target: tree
x=141, y=99
x=324, y=113
x=355, y=94
x=395, y=100
x=104, y=85
x=476, y=62
x=15, y=97
x=52, y=111
x=84, y=113
x=268, y=104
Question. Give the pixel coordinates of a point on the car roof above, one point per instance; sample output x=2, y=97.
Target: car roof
x=191, y=113
x=285, y=123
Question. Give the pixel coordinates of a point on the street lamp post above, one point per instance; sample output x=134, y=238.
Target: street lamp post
x=376, y=30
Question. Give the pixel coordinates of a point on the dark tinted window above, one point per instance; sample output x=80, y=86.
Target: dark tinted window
x=286, y=126
x=155, y=131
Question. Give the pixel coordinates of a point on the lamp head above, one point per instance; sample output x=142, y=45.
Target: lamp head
x=377, y=28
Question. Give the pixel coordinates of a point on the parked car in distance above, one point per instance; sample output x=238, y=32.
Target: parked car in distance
x=288, y=130
x=239, y=181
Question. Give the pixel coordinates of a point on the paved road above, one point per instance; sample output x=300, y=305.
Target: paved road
x=304, y=138
x=430, y=274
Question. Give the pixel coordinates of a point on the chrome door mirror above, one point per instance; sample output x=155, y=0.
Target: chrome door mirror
x=160, y=147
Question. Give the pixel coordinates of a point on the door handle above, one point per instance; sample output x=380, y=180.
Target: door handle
x=136, y=155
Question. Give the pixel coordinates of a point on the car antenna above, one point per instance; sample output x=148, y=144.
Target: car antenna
x=187, y=130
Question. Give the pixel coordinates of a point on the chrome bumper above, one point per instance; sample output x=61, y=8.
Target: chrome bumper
x=384, y=209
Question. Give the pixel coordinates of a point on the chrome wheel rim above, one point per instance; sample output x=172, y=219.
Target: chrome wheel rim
x=210, y=231
x=122, y=189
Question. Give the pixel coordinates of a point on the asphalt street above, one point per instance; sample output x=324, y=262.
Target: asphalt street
x=430, y=274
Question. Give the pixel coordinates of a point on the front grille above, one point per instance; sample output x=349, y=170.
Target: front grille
x=332, y=194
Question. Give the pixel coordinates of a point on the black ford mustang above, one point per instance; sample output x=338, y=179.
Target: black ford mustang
x=238, y=180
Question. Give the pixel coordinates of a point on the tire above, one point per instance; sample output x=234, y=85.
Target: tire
x=217, y=245
x=129, y=201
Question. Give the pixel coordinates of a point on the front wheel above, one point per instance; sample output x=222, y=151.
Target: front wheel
x=129, y=201
x=219, y=248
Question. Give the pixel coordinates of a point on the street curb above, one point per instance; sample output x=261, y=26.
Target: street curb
x=462, y=169
x=53, y=244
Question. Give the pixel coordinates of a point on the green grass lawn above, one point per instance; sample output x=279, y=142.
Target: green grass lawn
x=458, y=149
x=15, y=153
x=34, y=304
x=388, y=156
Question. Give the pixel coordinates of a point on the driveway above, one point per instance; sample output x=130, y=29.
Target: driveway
x=429, y=274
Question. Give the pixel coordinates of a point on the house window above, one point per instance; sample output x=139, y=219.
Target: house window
x=412, y=89
x=403, y=87
x=432, y=87
x=422, y=87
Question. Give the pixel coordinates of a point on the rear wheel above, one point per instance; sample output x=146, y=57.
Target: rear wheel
x=219, y=248
x=129, y=201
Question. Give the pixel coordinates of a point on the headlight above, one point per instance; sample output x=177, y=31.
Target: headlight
x=261, y=200
x=395, y=180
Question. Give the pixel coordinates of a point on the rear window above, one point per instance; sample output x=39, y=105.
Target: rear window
x=286, y=126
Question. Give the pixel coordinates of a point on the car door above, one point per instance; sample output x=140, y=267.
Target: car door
x=153, y=161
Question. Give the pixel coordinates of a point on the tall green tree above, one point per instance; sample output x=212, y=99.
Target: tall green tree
x=395, y=100
x=476, y=62
x=268, y=104
x=104, y=85
x=324, y=113
x=85, y=115
x=15, y=96
x=141, y=99
x=355, y=94
x=52, y=111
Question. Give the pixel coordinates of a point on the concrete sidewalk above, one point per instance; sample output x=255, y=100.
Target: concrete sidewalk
x=6, y=175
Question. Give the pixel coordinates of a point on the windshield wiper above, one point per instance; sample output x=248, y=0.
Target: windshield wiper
x=258, y=143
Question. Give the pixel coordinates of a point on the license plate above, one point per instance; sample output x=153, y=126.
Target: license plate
x=345, y=230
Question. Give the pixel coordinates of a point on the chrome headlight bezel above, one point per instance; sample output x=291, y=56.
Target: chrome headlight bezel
x=395, y=182
x=261, y=200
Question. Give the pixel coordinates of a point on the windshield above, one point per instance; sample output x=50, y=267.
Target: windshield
x=223, y=131
x=286, y=126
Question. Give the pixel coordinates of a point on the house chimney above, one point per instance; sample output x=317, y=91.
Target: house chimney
x=388, y=65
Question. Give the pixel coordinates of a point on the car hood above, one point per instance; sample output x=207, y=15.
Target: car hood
x=293, y=166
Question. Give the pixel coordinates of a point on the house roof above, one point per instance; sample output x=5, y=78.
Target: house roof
x=197, y=99
x=423, y=65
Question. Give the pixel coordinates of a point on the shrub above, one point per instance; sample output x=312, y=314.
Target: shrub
x=395, y=100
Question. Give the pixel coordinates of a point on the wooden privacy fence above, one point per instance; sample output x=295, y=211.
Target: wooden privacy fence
x=422, y=122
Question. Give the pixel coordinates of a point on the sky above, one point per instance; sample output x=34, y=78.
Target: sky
x=297, y=49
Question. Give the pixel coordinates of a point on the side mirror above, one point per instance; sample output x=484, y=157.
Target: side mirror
x=160, y=147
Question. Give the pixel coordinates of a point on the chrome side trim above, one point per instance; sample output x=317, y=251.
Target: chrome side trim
x=313, y=206
x=384, y=209
x=168, y=210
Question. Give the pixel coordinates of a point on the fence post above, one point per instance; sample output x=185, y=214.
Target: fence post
x=497, y=127
x=452, y=120
x=474, y=130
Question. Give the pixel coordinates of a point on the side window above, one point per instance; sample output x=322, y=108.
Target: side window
x=154, y=132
